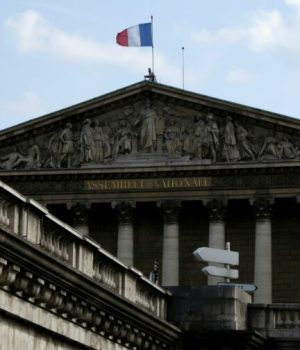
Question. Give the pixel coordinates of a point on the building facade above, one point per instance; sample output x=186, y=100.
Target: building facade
x=152, y=172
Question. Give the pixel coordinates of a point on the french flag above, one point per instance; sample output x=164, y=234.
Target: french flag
x=139, y=35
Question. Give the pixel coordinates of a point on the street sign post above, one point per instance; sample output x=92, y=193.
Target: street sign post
x=221, y=256
x=220, y=272
x=246, y=287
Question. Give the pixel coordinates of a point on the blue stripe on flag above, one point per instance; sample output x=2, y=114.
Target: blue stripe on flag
x=146, y=34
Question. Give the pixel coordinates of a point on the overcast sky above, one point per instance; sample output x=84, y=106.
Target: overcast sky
x=56, y=53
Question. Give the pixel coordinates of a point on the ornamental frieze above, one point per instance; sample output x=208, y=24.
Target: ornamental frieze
x=150, y=132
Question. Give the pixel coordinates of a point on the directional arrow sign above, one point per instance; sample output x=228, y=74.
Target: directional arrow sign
x=246, y=287
x=221, y=256
x=220, y=272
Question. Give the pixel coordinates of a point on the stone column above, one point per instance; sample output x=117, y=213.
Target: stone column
x=170, y=256
x=80, y=212
x=125, y=231
x=216, y=233
x=263, y=251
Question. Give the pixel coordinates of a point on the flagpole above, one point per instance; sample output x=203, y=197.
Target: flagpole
x=152, y=44
x=182, y=49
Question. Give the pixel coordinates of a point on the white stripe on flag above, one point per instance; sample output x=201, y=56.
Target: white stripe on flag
x=134, y=38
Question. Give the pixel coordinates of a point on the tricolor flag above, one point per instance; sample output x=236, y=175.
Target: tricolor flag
x=139, y=35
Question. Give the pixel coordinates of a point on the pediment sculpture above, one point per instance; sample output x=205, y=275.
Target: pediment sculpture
x=152, y=131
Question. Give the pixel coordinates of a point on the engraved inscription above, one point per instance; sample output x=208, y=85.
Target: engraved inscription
x=148, y=184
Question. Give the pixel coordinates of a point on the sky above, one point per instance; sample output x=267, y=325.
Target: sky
x=57, y=53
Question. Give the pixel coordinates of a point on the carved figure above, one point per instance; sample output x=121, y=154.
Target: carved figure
x=32, y=159
x=188, y=141
x=269, y=149
x=148, y=138
x=210, y=137
x=243, y=142
x=230, y=149
x=102, y=143
x=54, y=148
x=123, y=139
x=68, y=149
x=87, y=143
x=286, y=149
x=108, y=144
x=172, y=138
x=201, y=143
x=9, y=160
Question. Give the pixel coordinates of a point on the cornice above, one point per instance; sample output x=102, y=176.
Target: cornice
x=152, y=171
x=39, y=278
x=134, y=92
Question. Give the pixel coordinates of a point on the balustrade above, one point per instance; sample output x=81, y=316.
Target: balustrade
x=4, y=218
x=55, y=243
x=106, y=274
x=42, y=293
x=286, y=318
x=30, y=221
x=274, y=317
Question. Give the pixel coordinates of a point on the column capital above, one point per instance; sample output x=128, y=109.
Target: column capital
x=262, y=207
x=216, y=209
x=80, y=212
x=125, y=211
x=170, y=210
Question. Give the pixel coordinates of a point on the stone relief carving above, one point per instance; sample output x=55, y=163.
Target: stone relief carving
x=87, y=143
x=210, y=137
x=31, y=160
x=67, y=146
x=123, y=139
x=173, y=139
x=286, y=149
x=246, y=148
x=102, y=142
x=230, y=146
x=148, y=130
x=269, y=149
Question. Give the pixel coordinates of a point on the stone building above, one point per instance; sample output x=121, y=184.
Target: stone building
x=152, y=172
x=60, y=290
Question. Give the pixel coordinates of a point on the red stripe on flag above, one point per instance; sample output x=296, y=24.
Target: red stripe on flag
x=122, y=38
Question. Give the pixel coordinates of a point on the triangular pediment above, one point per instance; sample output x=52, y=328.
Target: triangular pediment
x=149, y=124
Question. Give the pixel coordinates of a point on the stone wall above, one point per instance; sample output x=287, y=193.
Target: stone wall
x=28, y=327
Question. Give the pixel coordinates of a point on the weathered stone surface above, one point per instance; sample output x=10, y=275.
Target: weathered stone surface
x=64, y=286
x=209, y=308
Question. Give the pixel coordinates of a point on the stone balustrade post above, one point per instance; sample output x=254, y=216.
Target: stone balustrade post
x=125, y=211
x=170, y=258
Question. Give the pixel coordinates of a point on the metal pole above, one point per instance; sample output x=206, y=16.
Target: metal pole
x=182, y=49
x=227, y=247
x=152, y=45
